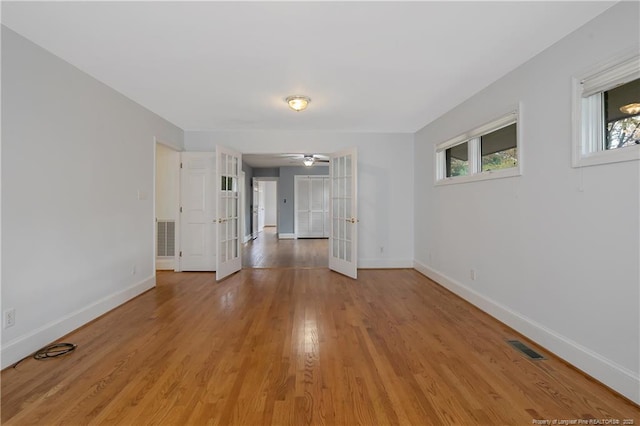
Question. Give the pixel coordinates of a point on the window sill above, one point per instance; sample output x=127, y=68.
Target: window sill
x=488, y=175
x=629, y=153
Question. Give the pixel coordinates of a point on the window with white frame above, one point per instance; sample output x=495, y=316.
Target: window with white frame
x=487, y=152
x=607, y=114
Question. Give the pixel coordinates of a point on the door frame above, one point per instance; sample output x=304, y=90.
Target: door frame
x=177, y=236
x=269, y=179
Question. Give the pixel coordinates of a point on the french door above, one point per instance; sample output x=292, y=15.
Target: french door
x=343, y=240
x=228, y=167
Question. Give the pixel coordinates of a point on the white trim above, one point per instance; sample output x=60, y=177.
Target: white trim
x=617, y=377
x=243, y=216
x=283, y=236
x=247, y=238
x=503, y=121
x=610, y=74
x=472, y=137
x=165, y=263
x=384, y=263
x=487, y=175
x=24, y=345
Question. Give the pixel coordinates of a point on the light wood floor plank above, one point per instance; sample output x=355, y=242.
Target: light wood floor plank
x=267, y=251
x=295, y=346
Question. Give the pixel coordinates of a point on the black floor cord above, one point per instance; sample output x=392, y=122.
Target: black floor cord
x=51, y=351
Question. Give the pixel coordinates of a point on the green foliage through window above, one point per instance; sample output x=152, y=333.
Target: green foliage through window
x=625, y=132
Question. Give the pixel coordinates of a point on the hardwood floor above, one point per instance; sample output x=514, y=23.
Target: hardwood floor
x=267, y=251
x=299, y=346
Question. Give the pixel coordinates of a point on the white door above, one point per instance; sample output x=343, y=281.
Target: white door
x=343, y=241
x=243, y=206
x=327, y=213
x=228, y=166
x=254, y=210
x=316, y=206
x=197, y=212
x=301, y=206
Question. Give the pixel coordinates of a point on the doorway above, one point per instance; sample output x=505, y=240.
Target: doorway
x=166, y=205
x=267, y=205
x=279, y=245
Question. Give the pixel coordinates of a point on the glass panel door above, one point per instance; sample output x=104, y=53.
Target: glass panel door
x=343, y=239
x=228, y=167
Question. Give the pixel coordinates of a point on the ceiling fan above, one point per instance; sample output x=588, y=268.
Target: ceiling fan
x=308, y=159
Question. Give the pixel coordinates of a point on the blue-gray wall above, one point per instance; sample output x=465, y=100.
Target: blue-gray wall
x=266, y=172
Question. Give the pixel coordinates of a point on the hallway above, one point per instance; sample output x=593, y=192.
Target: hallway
x=267, y=251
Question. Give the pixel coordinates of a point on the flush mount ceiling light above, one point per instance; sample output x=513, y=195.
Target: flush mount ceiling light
x=308, y=160
x=298, y=102
x=632, y=109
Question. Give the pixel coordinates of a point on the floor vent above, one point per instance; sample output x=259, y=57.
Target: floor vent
x=530, y=353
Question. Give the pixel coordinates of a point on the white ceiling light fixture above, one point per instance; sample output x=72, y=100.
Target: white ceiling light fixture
x=298, y=102
x=308, y=160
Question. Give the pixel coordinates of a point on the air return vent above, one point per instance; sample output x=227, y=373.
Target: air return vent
x=166, y=238
x=526, y=350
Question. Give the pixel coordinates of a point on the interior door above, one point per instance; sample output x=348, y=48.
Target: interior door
x=316, y=206
x=197, y=209
x=343, y=240
x=301, y=206
x=228, y=167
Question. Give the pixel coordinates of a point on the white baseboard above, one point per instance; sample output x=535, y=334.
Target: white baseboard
x=617, y=377
x=164, y=264
x=246, y=239
x=22, y=346
x=384, y=263
x=282, y=236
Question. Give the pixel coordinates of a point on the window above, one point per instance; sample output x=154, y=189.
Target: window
x=607, y=114
x=499, y=149
x=457, y=159
x=487, y=152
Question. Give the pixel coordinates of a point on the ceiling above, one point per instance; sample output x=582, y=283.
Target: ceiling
x=367, y=66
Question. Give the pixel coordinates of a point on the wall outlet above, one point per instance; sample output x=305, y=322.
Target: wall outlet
x=472, y=274
x=9, y=318
x=381, y=249
x=134, y=270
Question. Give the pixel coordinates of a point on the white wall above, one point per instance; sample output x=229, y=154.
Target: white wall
x=270, y=203
x=76, y=155
x=167, y=182
x=385, y=184
x=556, y=250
